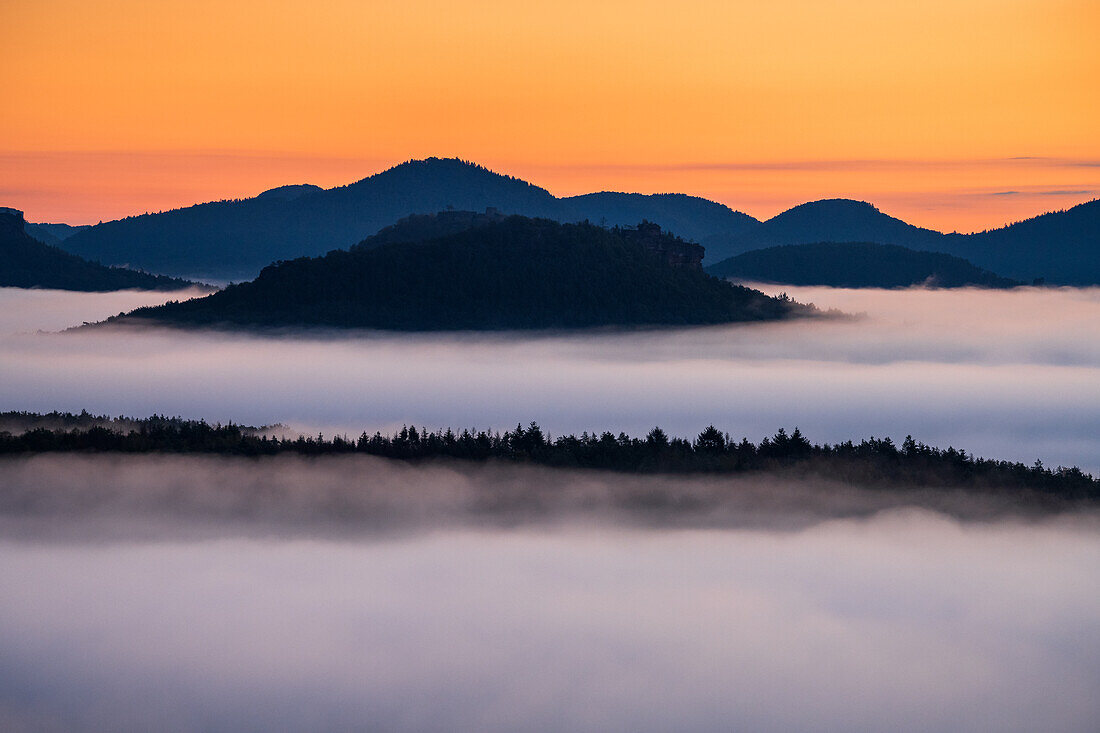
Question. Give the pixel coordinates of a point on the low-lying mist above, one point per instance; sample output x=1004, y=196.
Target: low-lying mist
x=118, y=496
x=210, y=593
x=1005, y=374
x=227, y=594
x=29, y=310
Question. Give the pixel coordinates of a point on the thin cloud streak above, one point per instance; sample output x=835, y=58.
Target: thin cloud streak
x=1047, y=192
x=835, y=164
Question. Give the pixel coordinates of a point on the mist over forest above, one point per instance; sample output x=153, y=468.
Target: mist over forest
x=294, y=594
x=975, y=369
x=338, y=592
x=549, y=367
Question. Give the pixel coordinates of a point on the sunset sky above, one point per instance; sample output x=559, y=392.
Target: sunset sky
x=954, y=114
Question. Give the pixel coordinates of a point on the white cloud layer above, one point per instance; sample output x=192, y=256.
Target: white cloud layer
x=147, y=594
x=1006, y=374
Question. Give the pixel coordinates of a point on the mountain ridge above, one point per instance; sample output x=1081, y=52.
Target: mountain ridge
x=52, y=234
x=825, y=220
x=235, y=238
x=1062, y=246
x=856, y=265
x=504, y=273
x=26, y=262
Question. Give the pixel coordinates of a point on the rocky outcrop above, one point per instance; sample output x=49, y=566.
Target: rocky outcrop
x=11, y=221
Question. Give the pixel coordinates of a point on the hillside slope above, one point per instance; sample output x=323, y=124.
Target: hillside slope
x=51, y=234
x=856, y=265
x=516, y=273
x=1061, y=246
x=27, y=263
x=829, y=220
x=235, y=239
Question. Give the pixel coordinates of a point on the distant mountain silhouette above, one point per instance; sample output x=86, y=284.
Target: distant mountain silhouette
x=856, y=265
x=688, y=216
x=52, y=234
x=291, y=192
x=830, y=220
x=27, y=263
x=235, y=239
x=508, y=273
x=1061, y=246
x=422, y=227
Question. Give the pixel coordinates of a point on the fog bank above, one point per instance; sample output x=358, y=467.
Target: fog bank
x=181, y=593
x=905, y=620
x=108, y=497
x=25, y=310
x=1006, y=374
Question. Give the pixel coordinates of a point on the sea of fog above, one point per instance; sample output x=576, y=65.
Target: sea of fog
x=1005, y=374
x=351, y=593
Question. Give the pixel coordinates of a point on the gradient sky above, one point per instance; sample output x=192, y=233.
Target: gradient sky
x=956, y=114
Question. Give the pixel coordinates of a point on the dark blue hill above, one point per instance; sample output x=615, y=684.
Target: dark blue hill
x=27, y=263
x=235, y=239
x=856, y=265
x=502, y=273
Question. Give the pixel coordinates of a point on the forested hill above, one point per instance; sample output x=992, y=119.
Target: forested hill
x=422, y=227
x=856, y=265
x=1061, y=247
x=233, y=240
x=28, y=263
x=52, y=234
x=830, y=220
x=515, y=273
x=689, y=216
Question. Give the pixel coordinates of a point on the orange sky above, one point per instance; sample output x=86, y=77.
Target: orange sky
x=957, y=114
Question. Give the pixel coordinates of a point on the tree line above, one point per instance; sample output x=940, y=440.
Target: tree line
x=875, y=462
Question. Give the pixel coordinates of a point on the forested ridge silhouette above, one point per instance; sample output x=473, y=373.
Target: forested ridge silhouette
x=857, y=265
x=872, y=462
x=234, y=239
x=27, y=263
x=506, y=273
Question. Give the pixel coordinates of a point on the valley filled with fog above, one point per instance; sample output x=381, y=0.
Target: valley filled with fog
x=191, y=592
x=1004, y=374
x=230, y=594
